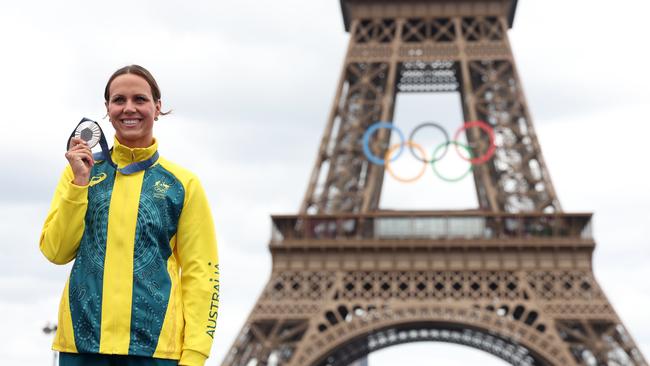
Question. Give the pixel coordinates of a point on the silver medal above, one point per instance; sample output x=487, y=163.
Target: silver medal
x=88, y=131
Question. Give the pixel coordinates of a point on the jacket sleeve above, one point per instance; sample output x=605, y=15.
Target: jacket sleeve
x=197, y=253
x=64, y=224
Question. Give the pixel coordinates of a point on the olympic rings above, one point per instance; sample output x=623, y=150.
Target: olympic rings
x=411, y=144
x=422, y=157
x=485, y=127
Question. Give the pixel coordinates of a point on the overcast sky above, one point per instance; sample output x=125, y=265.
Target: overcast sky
x=251, y=83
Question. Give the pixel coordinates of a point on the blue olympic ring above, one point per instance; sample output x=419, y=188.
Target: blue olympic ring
x=366, y=141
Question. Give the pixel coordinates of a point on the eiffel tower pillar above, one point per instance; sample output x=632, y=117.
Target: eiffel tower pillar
x=512, y=278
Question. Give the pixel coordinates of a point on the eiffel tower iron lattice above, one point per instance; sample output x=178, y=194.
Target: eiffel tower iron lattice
x=512, y=278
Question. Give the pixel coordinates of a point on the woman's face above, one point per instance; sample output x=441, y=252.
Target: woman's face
x=132, y=110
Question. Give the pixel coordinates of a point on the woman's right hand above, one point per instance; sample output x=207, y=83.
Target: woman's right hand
x=81, y=161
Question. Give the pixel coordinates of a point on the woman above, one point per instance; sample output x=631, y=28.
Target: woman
x=144, y=288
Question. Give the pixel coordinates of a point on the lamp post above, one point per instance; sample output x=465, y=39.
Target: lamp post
x=47, y=330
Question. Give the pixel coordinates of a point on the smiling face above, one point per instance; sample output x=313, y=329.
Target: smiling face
x=131, y=109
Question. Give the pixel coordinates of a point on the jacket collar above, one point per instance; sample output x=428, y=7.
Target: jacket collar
x=123, y=155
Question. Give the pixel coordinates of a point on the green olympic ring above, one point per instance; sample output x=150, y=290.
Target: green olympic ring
x=446, y=144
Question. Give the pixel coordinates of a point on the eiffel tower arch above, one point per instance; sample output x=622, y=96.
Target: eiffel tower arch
x=512, y=278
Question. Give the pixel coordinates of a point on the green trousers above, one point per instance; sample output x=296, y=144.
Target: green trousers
x=93, y=359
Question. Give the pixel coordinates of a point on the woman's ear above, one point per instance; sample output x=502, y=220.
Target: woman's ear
x=158, y=108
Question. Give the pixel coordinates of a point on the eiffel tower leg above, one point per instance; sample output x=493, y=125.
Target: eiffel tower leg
x=341, y=187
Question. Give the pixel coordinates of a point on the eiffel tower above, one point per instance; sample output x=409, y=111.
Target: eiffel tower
x=512, y=278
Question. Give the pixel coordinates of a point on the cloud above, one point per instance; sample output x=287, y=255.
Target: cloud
x=251, y=84
x=574, y=60
x=27, y=345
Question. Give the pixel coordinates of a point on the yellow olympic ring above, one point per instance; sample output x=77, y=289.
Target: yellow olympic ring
x=390, y=152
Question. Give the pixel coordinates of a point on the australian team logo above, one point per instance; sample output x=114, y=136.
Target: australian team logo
x=160, y=189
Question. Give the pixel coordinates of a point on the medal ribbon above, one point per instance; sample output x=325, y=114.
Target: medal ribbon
x=105, y=154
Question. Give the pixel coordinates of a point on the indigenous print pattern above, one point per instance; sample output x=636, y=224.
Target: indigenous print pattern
x=161, y=202
x=86, y=279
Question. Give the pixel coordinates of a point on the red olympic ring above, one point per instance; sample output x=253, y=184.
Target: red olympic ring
x=490, y=151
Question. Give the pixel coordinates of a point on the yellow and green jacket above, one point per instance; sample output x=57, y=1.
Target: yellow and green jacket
x=145, y=280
